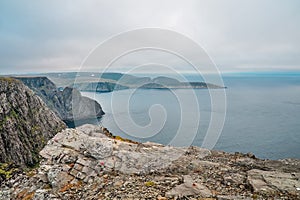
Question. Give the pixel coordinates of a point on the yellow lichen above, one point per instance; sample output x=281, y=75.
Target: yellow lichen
x=119, y=138
x=124, y=139
x=6, y=171
x=31, y=173
x=149, y=183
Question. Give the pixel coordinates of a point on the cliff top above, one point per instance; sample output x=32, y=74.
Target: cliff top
x=90, y=163
x=9, y=80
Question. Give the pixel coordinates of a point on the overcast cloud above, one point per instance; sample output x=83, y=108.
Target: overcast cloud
x=238, y=35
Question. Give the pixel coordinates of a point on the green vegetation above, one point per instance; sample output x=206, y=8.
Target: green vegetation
x=3, y=121
x=7, y=170
x=9, y=80
x=35, y=128
x=12, y=114
x=36, y=160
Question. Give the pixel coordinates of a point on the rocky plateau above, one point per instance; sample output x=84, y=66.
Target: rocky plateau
x=90, y=163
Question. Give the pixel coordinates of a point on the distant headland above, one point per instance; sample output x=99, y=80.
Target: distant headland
x=108, y=82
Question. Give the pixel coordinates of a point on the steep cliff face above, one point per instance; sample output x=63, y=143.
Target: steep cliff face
x=78, y=107
x=26, y=123
x=68, y=104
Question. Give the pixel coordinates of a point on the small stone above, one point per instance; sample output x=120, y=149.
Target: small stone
x=161, y=198
x=86, y=170
x=74, y=172
x=105, y=176
x=84, y=162
x=118, y=183
x=80, y=175
x=251, y=155
x=78, y=167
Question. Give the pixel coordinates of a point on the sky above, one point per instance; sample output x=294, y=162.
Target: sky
x=58, y=35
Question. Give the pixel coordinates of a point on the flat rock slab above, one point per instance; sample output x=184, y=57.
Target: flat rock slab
x=84, y=145
x=273, y=181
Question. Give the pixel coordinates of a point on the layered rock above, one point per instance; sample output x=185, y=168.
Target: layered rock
x=26, y=123
x=68, y=104
x=90, y=163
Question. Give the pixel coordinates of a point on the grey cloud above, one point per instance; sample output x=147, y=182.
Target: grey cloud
x=46, y=35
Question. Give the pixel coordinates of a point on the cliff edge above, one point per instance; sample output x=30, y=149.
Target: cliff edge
x=26, y=124
x=90, y=163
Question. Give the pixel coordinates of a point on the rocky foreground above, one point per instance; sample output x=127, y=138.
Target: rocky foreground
x=90, y=163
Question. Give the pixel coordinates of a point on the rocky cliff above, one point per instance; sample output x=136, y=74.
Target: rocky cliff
x=68, y=104
x=90, y=163
x=26, y=124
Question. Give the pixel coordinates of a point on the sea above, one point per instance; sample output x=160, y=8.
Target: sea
x=261, y=114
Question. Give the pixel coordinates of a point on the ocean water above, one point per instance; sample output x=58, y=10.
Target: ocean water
x=262, y=117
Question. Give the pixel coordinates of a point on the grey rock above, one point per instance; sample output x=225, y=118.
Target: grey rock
x=58, y=178
x=115, y=154
x=99, y=148
x=92, y=130
x=41, y=194
x=232, y=197
x=273, y=181
x=26, y=123
x=68, y=104
x=5, y=194
x=81, y=164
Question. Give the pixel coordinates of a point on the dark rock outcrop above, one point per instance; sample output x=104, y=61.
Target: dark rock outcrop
x=26, y=123
x=99, y=87
x=78, y=107
x=68, y=104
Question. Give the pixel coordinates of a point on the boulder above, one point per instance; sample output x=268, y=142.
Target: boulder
x=273, y=181
x=189, y=188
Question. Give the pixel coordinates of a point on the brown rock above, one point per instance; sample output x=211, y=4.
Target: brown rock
x=189, y=188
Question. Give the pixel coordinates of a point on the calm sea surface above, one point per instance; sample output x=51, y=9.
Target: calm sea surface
x=263, y=115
